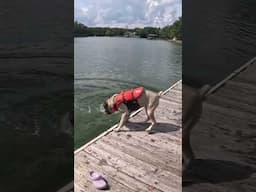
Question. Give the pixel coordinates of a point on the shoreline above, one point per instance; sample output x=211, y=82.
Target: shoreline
x=175, y=41
x=169, y=40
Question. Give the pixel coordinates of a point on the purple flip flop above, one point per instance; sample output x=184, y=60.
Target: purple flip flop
x=98, y=181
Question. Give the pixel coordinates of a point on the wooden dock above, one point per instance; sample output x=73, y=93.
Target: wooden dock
x=133, y=160
x=224, y=140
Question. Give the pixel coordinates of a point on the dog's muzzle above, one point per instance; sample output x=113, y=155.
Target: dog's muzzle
x=107, y=111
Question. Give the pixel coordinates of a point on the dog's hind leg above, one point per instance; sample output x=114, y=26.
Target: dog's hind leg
x=151, y=113
x=146, y=111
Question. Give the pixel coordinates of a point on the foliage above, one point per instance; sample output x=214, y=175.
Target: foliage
x=172, y=31
x=167, y=32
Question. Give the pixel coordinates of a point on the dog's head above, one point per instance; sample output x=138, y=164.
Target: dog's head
x=107, y=107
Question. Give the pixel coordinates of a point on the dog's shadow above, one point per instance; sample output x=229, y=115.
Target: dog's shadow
x=159, y=127
x=215, y=171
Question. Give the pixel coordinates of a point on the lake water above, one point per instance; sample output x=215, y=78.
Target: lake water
x=107, y=65
x=219, y=37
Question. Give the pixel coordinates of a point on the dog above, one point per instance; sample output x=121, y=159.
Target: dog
x=130, y=100
x=192, y=100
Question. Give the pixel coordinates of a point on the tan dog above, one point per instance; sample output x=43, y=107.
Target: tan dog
x=191, y=112
x=148, y=99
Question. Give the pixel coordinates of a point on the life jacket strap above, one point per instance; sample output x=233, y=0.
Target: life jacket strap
x=123, y=98
x=133, y=97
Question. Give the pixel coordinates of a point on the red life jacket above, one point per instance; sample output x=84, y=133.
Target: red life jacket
x=126, y=96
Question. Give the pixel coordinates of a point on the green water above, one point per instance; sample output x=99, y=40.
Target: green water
x=105, y=65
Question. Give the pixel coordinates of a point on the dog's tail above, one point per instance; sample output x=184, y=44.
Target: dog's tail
x=204, y=90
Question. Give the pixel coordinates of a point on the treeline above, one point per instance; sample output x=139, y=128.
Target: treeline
x=167, y=32
x=172, y=31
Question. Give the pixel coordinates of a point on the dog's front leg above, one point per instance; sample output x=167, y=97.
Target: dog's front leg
x=125, y=115
x=123, y=120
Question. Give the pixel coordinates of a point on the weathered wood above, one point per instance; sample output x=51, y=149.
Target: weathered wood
x=109, y=171
x=171, y=99
x=173, y=148
x=230, y=103
x=147, y=156
x=159, y=181
x=226, y=135
x=169, y=145
x=133, y=160
x=232, y=75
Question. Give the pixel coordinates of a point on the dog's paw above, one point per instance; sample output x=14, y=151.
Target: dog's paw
x=116, y=130
x=149, y=131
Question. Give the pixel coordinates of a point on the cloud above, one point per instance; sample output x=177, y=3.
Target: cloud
x=131, y=13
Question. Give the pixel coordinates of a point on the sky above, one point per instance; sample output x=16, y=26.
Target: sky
x=127, y=13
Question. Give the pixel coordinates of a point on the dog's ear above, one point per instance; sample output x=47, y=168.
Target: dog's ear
x=105, y=105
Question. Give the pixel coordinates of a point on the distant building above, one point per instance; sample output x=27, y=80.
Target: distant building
x=152, y=36
x=130, y=34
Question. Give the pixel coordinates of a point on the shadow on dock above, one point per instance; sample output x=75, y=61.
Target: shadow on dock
x=159, y=127
x=216, y=171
